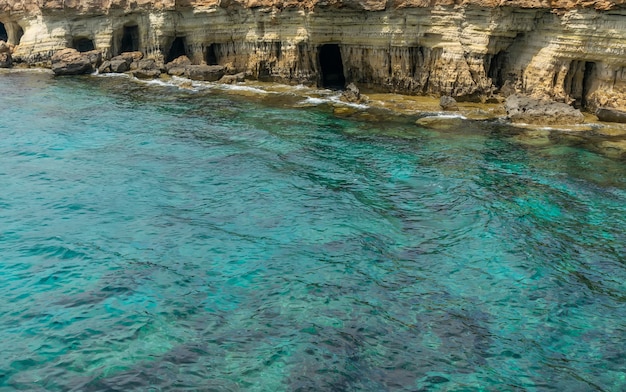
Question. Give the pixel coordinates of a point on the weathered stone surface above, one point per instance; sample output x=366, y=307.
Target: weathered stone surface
x=69, y=61
x=181, y=61
x=528, y=110
x=611, y=115
x=446, y=102
x=146, y=69
x=207, y=73
x=118, y=65
x=146, y=73
x=105, y=67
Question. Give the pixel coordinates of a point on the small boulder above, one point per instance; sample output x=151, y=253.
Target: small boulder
x=352, y=94
x=611, y=115
x=178, y=67
x=181, y=61
x=146, y=73
x=146, y=69
x=207, y=73
x=523, y=109
x=69, y=61
x=446, y=102
x=177, y=71
x=119, y=65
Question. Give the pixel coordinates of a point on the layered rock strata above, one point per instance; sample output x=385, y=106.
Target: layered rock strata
x=568, y=51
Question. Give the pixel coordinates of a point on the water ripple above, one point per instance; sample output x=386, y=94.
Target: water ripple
x=158, y=238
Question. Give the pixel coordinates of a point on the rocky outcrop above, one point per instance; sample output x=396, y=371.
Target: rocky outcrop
x=571, y=51
x=522, y=109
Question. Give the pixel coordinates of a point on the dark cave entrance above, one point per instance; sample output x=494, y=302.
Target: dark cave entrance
x=496, y=69
x=130, y=39
x=177, y=49
x=579, y=82
x=331, y=66
x=211, y=55
x=4, y=36
x=83, y=44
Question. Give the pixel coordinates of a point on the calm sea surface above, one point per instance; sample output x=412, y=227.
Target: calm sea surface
x=154, y=238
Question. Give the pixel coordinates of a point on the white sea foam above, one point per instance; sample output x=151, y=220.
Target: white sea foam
x=111, y=75
x=450, y=115
x=337, y=100
x=241, y=87
x=315, y=101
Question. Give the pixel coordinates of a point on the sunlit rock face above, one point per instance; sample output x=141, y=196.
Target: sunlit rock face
x=569, y=51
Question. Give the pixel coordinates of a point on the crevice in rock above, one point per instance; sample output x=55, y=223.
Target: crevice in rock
x=177, y=49
x=4, y=36
x=83, y=44
x=579, y=82
x=264, y=72
x=210, y=56
x=331, y=66
x=130, y=39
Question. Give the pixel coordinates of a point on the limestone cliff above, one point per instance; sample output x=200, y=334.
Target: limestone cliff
x=568, y=50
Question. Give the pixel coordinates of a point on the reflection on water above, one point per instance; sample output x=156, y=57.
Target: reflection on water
x=157, y=237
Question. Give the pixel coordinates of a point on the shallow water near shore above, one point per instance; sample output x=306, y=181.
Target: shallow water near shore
x=159, y=238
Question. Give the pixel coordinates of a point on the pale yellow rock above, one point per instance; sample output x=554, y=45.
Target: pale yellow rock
x=440, y=123
x=568, y=50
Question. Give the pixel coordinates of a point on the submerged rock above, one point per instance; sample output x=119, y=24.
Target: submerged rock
x=523, y=109
x=70, y=61
x=440, y=123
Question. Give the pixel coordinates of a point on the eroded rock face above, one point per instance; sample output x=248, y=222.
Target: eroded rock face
x=523, y=109
x=571, y=51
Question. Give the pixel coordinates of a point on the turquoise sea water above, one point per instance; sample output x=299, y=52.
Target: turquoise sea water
x=153, y=238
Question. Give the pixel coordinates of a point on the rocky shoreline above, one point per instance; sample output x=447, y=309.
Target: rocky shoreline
x=605, y=138
x=565, y=51
x=558, y=64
